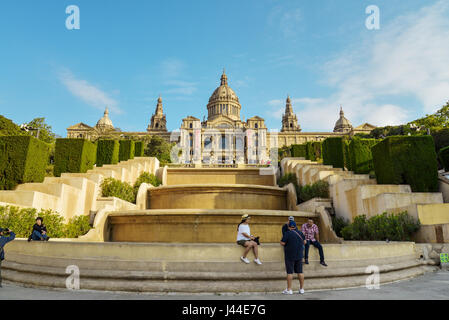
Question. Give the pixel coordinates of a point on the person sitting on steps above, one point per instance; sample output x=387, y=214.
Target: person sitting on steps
x=245, y=239
x=39, y=232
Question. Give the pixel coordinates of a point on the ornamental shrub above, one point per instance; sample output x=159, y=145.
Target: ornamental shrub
x=22, y=159
x=338, y=223
x=394, y=227
x=74, y=155
x=287, y=179
x=313, y=150
x=407, y=160
x=107, y=152
x=333, y=152
x=444, y=158
x=145, y=178
x=115, y=188
x=126, y=150
x=319, y=189
x=361, y=158
x=299, y=150
x=21, y=221
x=139, y=148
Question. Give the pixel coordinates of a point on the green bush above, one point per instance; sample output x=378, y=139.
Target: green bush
x=333, y=152
x=338, y=223
x=107, y=152
x=319, y=189
x=299, y=150
x=115, y=188
x=346, y=155
x=444, y=158
x=407, y=160
x=74, y=155
x=360, y=155
x=394, y=227
x=313, y=151
x=22, y=159
x=126, y=150
x=441, y=138
x=9, y=128
x=138, y=149
x=145, y=178
x=21, y=221
x=287, y=179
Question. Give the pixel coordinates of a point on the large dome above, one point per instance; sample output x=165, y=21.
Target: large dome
x=342, y=124
x=224, y=101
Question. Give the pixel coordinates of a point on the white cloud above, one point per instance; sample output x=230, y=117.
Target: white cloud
x=286, y=19
x=408, y=57
x=87, y=92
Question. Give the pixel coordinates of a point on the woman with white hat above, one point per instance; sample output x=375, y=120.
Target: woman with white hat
x=245, y=239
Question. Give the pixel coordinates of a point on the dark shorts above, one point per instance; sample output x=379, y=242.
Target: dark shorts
x=242, y=242
x=292, y=266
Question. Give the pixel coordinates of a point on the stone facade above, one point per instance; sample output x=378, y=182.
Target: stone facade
x=223, y=137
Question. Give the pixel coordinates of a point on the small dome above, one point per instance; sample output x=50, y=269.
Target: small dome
x=342, y=124
x=105, y=122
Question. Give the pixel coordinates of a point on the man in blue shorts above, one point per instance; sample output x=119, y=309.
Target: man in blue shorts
x=293, y=242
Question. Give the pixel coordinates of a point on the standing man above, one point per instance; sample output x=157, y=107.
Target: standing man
x=285, y=226
x=4, y=240
x=310, y=230
x=293, y=242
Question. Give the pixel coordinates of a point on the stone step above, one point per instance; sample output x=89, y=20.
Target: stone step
x=206, y=284
x=390, y=202
x=32, y=199
x=356, y=196
x=71, y=199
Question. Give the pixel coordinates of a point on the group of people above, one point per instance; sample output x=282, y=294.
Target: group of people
x=39, y=233
x=296, y=245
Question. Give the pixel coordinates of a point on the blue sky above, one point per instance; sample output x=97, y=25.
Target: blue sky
x=126, y=53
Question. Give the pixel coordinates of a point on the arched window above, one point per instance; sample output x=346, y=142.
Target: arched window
x=191, y=125
x=256, y=126
x=157, y=125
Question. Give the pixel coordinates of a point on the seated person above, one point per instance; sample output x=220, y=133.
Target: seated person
x=39, y=232
x=285, y=226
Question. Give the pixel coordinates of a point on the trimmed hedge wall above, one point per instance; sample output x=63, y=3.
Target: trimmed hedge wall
x=407, y=160
x=313, y=151
x=361, y=158
x=107, y=152
x=22, y=159
x=333, y=152
x=139, y=147
x=126, y=150
x=299, y=150
x=444, y=158
x=74, y=155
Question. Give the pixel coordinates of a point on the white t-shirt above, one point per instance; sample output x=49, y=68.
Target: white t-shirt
x=243, y=228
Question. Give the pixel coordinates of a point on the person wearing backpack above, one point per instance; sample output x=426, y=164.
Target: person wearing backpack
x=293, y=242
x=4, y=240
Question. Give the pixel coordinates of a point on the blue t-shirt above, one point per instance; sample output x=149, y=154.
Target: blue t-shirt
x=294, y=245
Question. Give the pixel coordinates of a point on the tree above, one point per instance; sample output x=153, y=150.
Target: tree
x=159, y=148
x=9, y=128
x=45, y=133
x=438, y=120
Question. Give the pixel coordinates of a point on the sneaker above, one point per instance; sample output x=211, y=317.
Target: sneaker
x=301, y=291
x=48, y=238
x=29, y=238
x=306, y=261
x=244, y=259
x=257, y=261
x=286, y=291
x=323, y=264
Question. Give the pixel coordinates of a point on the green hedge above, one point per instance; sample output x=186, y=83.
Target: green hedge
x=333, y=152
x=22, y=159
x=126, y=150
x=21, y=221
x=441, y=138
x=299, y=150
x=361, y=158
x=319, y=189
x=139, y=148
x=115, y=188
x=394, y=227
x=313, y=151
x=107, y=152
x=74, y=155
x=444, y=158
x=407, y=160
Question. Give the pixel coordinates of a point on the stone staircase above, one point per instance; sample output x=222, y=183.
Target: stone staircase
x=75, y=194
x=202, y=268
x=357, y=194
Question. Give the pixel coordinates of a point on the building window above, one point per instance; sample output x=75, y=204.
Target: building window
x=256, y=126
x=191, y=126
